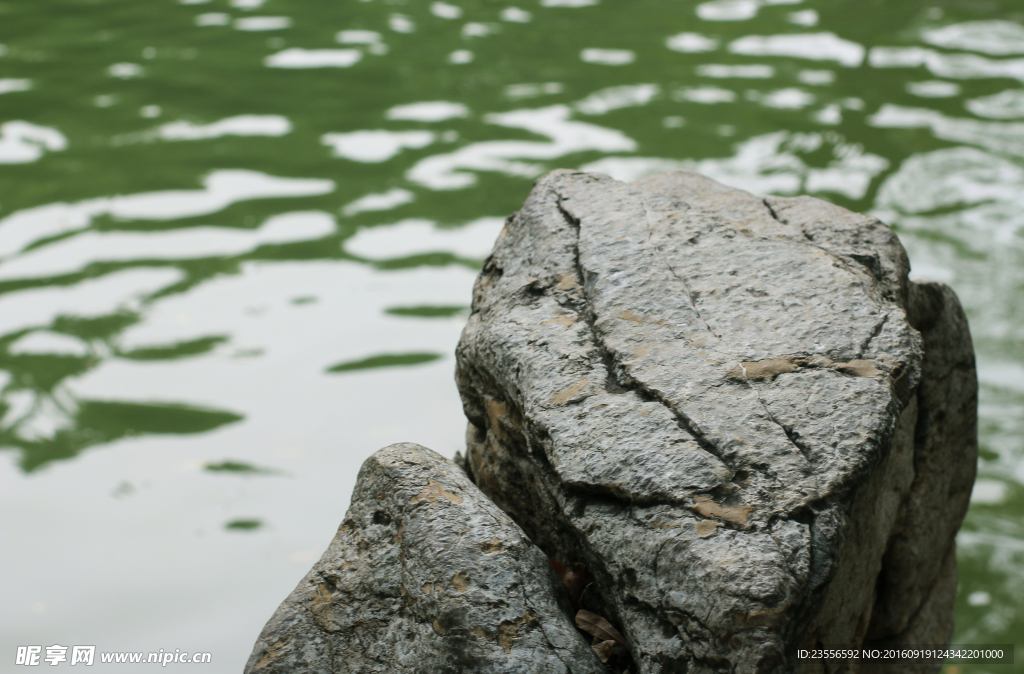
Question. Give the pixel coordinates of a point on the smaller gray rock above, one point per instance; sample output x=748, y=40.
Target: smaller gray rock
x=424, y=575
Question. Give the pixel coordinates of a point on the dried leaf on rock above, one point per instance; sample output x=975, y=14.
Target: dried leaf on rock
x=595, y=625
x=604, y=650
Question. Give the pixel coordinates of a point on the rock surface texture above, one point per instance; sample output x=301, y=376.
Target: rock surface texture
x=737, y=412
x=425, y=575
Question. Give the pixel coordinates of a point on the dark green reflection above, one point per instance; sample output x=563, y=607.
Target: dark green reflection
x=243, y=525
x=97, y=422
x=426, y=311
x=240, y=468
x=116, y=419
x=385, y=360
x=44, y=371
x=193, y=347
x=427, y=260
x=95, y=328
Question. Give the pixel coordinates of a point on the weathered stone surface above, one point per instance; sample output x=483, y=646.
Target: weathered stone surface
x=424, y=575
x=715, y=401
x=917, y=586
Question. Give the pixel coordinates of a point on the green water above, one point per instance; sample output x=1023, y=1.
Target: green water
x=237, y=242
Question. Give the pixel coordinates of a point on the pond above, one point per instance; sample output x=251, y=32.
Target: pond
x=238, y=240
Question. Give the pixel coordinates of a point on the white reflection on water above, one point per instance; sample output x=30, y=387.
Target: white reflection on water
x=998, y=38
x=988, y=492
x=473, y=240
x=934, y=89
x=358, y=37
x=530, y=90
x=427, y=111
x=691, y=43
x=816, y=77
x=849, y=175
x=1003, y=137
x=789, y=98
x=119, y=291
x=476, y=29
x=241, y=125
x=608, y=57
x=24, y=142
x=814, y=46
x=515, y=15
x=614, y=98
x=938, y=180
x=45, y=342
x=74, y=254
x=319, y=427
x=974, y=199
x=728, y=10
x=125, y=71
x=375, y=146
x=19, y=407
x=445, y=11
x=213, y=19
x=759, y=166
x=988, y=194
x=766, y=164
x=262, y=23
x=755, y=71
x=33, y=417
x=705, y=95
x=255, y=307
x=383, y=201
x=297, y=57
x=736, y=10
x=7, y=85
x=900, y=57
x=969, y=66
x=400, y=23
x=1007, y=104
x=1001, y=374
x=807, y=17
x=453, y=170
x=568, y=3
x=831, y=114
x=954, y=66
x=220, y=190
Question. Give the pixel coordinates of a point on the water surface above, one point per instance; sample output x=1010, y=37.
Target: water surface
x=237, y=242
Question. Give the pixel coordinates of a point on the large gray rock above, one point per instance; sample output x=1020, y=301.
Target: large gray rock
x=718, y=403
x=918, y=581
x=424, y=575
